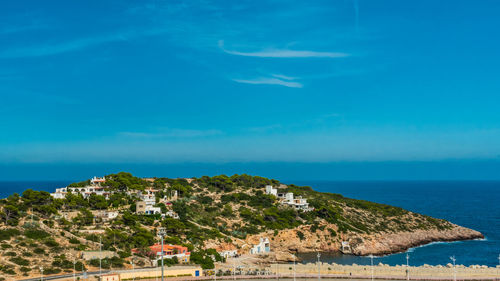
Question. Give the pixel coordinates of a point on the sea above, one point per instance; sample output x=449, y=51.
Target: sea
x=473, y=204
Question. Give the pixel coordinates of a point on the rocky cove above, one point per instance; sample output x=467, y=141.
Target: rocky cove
x=286, y=243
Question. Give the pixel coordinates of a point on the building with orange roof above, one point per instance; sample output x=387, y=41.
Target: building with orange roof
x=169, y=251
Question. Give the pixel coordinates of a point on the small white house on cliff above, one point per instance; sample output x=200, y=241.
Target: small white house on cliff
x=263, y=247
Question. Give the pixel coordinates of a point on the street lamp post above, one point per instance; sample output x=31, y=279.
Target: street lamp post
x=133, y=268
x=371, y=265
x=100, y=257
x=294, y=271
x=453, y=259
x=162, y=233
x=74, y=270
x=277, y=271
x=499, y=264
x=319, y=267
x=407, y=267
x=41, y=271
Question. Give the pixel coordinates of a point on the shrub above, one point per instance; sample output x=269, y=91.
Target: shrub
x=74, y=241
x=52, y=270
x=6, y=234
x=20, y=261
x=39, y=251
x=300, y=235
x=51, y=243
x=36, y=234
x=9, y=271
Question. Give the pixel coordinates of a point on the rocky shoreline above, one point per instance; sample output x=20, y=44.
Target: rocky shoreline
x=286, y=242
x=391, y=243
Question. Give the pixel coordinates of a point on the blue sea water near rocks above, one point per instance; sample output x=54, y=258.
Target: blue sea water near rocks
x=473, y=204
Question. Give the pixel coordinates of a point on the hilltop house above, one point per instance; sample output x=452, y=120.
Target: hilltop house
x=271, y=190
x=105, y=215
x=146, y=205
x=148, y=196
x=169, y=252
x=95, y=187
x=145, y=208
x=172, y=214
x=298, y=203
x=97, y=181
x=263, y=247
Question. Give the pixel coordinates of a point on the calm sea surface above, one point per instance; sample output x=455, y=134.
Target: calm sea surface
x=473, y=204
x=468, y=203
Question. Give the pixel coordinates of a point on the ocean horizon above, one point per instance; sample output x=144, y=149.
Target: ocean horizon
x=472, y=204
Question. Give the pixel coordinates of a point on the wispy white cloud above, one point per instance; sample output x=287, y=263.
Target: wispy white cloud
x=281, y=76
x=284, y=53
x=173, y=133
x=77, y=44
x=270, y=81
x=57, y=48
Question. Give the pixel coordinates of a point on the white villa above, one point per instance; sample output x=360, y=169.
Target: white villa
x=172, y=214
x=94, y=188
x=271, y=190
x=298, y=202
x=105, y=215
x=146, y=208
x=148, y=196
x=148, y=200
x=97, y=181
x=263, y=247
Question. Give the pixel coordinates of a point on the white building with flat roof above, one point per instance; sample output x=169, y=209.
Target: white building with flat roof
x=85, y=191
x=271, y=190
x=298, y=202
x=263, y=247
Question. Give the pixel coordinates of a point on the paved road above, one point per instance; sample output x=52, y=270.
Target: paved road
x=299, y=277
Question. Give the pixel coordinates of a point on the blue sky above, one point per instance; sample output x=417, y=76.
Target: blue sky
x=164, y=82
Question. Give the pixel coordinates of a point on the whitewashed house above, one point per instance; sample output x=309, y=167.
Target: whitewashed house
x=106, y=215
x=95, y=187
x=227, y=250
x=172, y=214
x=263, y=247
x=145, y=208
x=270, y=190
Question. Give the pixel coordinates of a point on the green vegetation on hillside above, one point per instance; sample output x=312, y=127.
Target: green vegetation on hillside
x=222, y=208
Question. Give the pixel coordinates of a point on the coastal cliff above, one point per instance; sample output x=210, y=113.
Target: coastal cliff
x=287, y=242
x=390, y=243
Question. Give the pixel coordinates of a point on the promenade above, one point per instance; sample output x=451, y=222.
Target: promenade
x=381, y=271
x=310, y=272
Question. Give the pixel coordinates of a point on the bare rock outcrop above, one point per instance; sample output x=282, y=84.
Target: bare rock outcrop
x=390, y=243
x=302, y=240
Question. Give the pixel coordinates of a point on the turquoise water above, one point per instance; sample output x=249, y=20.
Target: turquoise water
x=473, y=204
x=467, y=203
